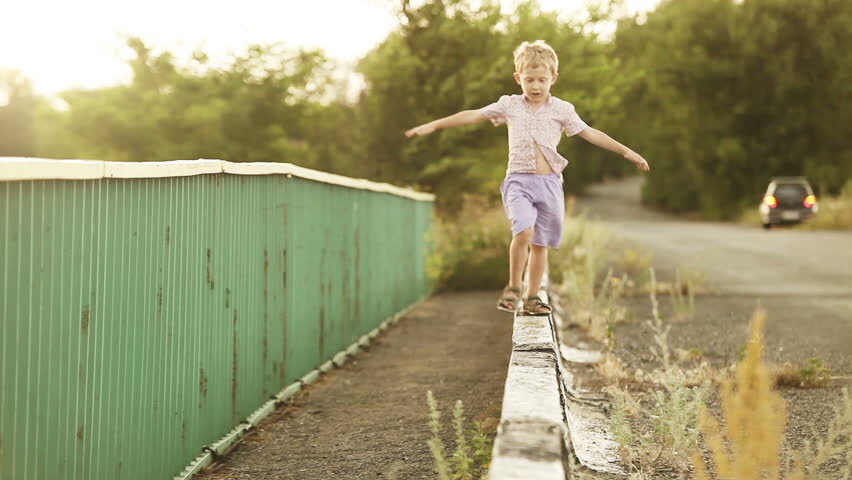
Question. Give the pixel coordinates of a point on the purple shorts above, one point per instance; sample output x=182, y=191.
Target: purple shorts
x=532, y=200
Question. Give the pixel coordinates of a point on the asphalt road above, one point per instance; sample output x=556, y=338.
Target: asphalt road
x=736, y=259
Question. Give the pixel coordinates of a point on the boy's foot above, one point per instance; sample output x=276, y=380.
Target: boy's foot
x=510, y=299
x=535, y=307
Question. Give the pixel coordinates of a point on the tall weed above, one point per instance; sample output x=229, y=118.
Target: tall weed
x=683, y=305
x=472, y=453
x=580, y=261
x=656, y=438
x=661, y=351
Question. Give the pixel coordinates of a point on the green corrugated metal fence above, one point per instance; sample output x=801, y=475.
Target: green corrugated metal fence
x=145, y=317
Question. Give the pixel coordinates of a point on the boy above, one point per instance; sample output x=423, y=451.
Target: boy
x=532, y=190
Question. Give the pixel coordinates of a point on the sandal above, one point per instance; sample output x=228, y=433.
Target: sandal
x=535, y=307
x=510, y=299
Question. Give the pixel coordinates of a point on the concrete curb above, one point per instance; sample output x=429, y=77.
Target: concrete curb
x=531, y=437
x=221, y=447
x=546, y=422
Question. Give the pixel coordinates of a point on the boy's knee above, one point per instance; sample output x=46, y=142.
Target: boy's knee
x=526, y=235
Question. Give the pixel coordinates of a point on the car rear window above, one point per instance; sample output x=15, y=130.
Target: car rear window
x=790, y=191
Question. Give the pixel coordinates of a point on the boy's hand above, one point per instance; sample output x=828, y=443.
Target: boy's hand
x=637, y=160
x=424, y=129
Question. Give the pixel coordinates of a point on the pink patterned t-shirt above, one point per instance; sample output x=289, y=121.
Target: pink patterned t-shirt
x=527, y=128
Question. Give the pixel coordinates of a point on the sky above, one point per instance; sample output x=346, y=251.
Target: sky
x=60, y=44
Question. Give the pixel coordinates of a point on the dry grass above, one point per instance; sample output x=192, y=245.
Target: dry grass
x=835, y=213
x=748, y=443
x=812, y=375
x=580, y=261
x=612, y=368
x=656, y=438
x=635, y=262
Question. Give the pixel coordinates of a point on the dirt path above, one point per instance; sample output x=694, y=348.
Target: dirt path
x=367, y=420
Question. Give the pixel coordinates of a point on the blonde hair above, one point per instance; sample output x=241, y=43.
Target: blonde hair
x=535, y=54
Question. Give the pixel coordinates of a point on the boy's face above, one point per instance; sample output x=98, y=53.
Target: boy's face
x=536, y=82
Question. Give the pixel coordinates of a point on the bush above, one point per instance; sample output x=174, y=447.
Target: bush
x=835, y=213
x=471, y=251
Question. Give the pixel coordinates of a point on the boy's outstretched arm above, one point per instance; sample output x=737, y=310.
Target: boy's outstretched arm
x=465, y=117
x=603, y=140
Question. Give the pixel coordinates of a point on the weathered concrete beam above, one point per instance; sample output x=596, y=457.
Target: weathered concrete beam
x=532, y=333
x=532, y=389
x=530, y=439
x=528, y=450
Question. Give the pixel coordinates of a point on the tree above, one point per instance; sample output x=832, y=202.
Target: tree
x=18, y=102
x=737, y=92
x=448, y=56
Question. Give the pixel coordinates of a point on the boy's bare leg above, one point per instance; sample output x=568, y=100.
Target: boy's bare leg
x=538, y=262
x=518, y=256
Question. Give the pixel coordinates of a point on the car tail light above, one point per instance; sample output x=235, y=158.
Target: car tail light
x=771, y=201
x=810, y=201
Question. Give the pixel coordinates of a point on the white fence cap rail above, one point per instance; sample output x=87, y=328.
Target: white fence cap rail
x=23, y=168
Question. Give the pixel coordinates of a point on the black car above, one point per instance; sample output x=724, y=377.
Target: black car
x=787, y=200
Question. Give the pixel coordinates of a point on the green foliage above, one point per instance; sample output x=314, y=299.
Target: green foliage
x=471, y=250
x=835, y=212
x=269, y=104
x=18, y=103
x=719, y=95
x=480, y=444
x=815, y=372
x=733, y=93
x=462, y=459
x=675, y=418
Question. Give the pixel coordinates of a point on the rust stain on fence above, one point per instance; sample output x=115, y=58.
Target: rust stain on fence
x=210, y=281
x=159, y=300
x=358, y=275
x=202, y=384
x=322, y=325
x=265, y=337
x=283, y=371
x=265, y=260
x=84, y=320
x=235, y=356
x=284, y=273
